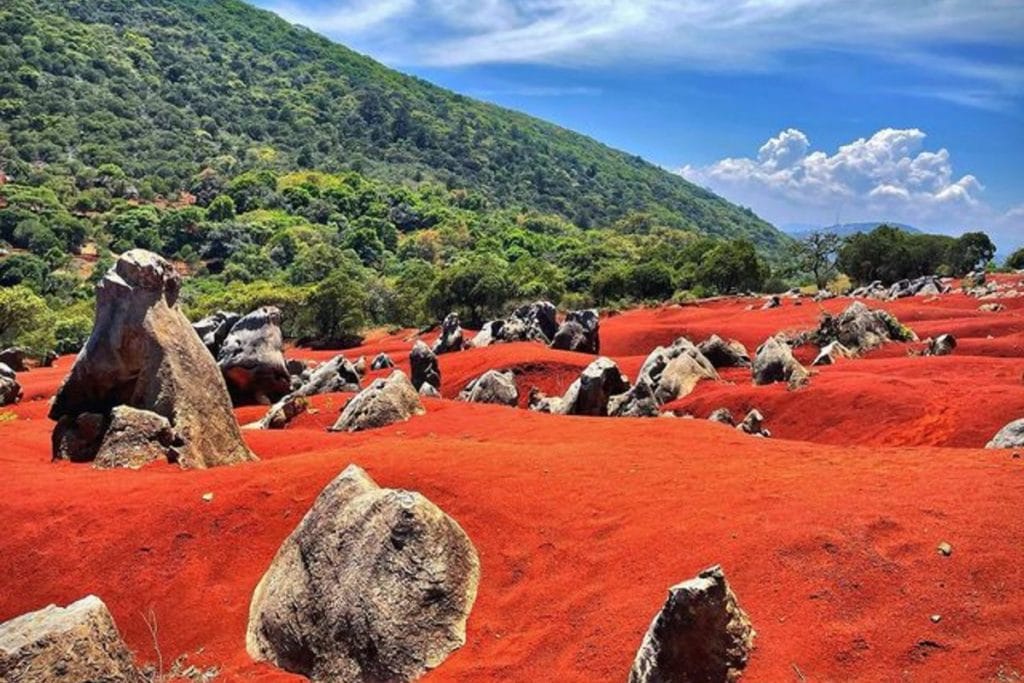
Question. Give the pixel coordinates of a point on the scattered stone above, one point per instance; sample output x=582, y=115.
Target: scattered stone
x=579, y=332
x=722, y=415
x=1010, y=436
x=10, y=389
x=213, y=329
x=428, y=391
x=134, y=438
x=49, y=359
x=14, y=357
x=382, y=361
x=945, y=549
x=832, y=352
x=774, y=362
x=451, y=335
x=251, y=359
x=488, y=334
x=424, y=367
x=926, y=285
x=700, y=634
x=337, y=374
x=639, y=401
x=860, y=328
x=675, y=370
x=753, y=424
x=992, y=307
x=942, y=345
x=143, y=353
x=373, y=585
x=590, y=394
x=724, y=354
x=283, y=412
x=360, y=366
x=384, y=402
x=75, y=644
x=208, y=497
x=936, y=618
x=493, y=386
x=772, y=301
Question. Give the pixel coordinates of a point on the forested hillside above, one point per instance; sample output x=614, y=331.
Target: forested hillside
x=162, y=89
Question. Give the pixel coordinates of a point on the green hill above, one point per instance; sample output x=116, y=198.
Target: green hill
x=164, y=88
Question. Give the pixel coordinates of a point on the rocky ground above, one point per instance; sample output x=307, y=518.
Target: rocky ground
x=829, y=531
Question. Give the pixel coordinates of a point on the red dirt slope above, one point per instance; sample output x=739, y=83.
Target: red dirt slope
x=583, y=523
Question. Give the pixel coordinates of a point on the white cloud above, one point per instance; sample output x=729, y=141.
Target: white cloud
x=887, y=176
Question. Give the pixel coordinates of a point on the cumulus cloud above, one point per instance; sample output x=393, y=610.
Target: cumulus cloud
x=887, y=176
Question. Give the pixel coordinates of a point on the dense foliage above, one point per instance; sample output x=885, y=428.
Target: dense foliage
x=144, y=99
x=890, y=254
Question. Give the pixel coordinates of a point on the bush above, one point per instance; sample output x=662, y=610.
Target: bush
x=25, y=320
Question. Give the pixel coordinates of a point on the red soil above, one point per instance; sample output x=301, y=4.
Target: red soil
x=827, y=532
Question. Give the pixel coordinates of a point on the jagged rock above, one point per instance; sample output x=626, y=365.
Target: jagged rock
x=360, y=366
x=296, y=367
x=532, y=322
x=824, y=295
x=830, y=353
x=488, y=334
x=10, y=389
x=1010, y=436
x=78, y=437
x=639, y=401
x=700, y=634
x=874, y=290
x=74, y=644
x=14, y=358
x=724, y=354
x=579, y=332
x=134, y=438
x=860, y=328
x=538, y=402
x=213, y=329
x=774, y=362
x=973, y=279
x=424, y=367
x=143, y=353
x=373, y=585
x=385, y=401
x=674, y=371
x=49, y=359
x=451, y=335
x=493, y=386
x=589, y=394
x=722, y=415
x=942, y=345
x=382, y=361
x=427, y=390
x=337, y=374
x=282, y=412
x=771, y=302
x=927, y=285
x=251, y=358
x=992, y=307
x=753, y=424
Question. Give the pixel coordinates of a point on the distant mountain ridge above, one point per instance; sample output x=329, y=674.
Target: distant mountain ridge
x=802, y=230
x=163, y=88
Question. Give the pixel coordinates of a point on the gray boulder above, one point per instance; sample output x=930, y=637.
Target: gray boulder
x=724, y=354
x=493, y=386
x=942, y=345
x=774, y=362
x=450, y=338
x=428, y=390
x=639, y=401
x=830, y=353
x=251, y=359
x=489, y=333
x=860, y=328
x=143, y=353
x=10, y=389
x=753, y=424
x=14, y=357
x=373, y=585
x=134, y=438
x=531, y=322
x=213, y=329
x=722, y=416
x=1010, y=436
x=700, y=634
x=282, y=413
x=424, y=367
x=382, y=361
x=74, y=644
x=590, y=394
x=579, y=332
x=337, y=374
x=674, y=371
x=385, y=401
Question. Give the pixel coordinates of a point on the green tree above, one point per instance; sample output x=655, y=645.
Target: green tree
x=221, y=209
x=337, y=306
x=476, y=286
x=816, y=254
x=732, y=266
x=971, y=250
x=25, y=320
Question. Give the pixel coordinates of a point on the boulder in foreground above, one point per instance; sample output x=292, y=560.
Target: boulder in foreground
x=74, y=644
x=373, y=585
x=1010, y=436
x=774, y=362
x=385, y=401
x=700, y=634
x=143, y=353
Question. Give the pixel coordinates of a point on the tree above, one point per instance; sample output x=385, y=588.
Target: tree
x=816, y=255
x=337, y=306
x=477, y=287
x=652, y=280
x=221, y=209
x=731, y=267
x=25, y=320
x=970, y=251
x=1015, y=260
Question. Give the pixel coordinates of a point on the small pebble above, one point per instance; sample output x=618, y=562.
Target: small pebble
x=1016, y=456
x=208, y=496
x=945, y=549
x=936, y=618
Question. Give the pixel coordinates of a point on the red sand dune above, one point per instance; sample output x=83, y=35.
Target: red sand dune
x=827, y=532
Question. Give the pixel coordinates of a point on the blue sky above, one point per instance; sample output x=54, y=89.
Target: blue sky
x=807, y=111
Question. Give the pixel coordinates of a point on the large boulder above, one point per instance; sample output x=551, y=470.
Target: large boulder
x=774, y=362
x=724, y=354
x=450, y=338
x=489, y=333
x=385, y=401
x=674, y=371
x=494, y=386
x=144, y=354
x=14, y=357
x=531, y=322
x=590, y=394
x=1010, y=436
x=639, y=401
x=700, y=634
x=337, y=374
x=860, y=328
x=214, y=328
x=10, y=389
x=134, y=438
x=580, y=331
x=424, y=367
x=74, y=644
x=373, y=585
x=252, y=361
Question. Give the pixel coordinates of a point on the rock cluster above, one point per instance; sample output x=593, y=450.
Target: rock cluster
x=385, y=401
x=494, y=386
x=860, y=328
x=700, y=634
x=373, y=585
x=926, y=285
x=774, y=362
x=674, y=371
x=74, y=644
x=589, y=394
x=143, y=354
x=538, y=322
